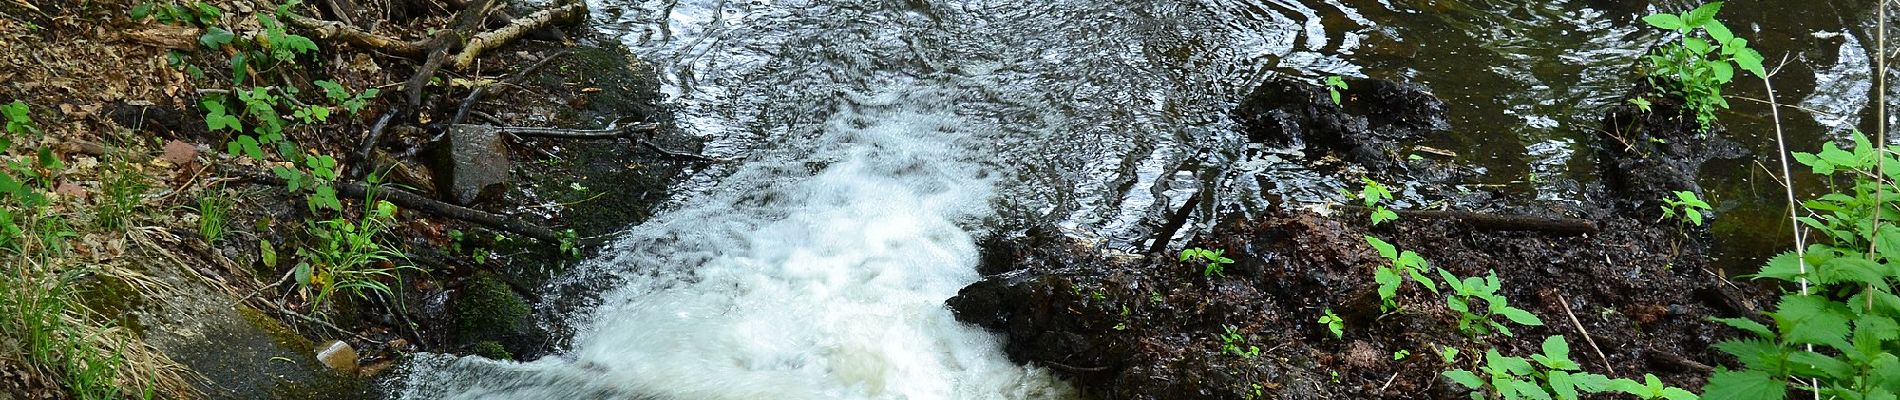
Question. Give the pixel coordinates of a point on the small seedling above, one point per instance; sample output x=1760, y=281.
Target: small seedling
x=1401, y=354
x=1399, y=266
x=1216, y=263
x=1478, y=320
x=1334, y=84
x=1232, y=340
x=1640, y=103
x=1333, y=324
x=1685, y=208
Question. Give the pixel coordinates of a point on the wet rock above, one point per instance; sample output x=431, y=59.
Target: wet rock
x=488, y=309
x=339, y=356
x=1372, y=117
x=476, y=165
x=1645, y=155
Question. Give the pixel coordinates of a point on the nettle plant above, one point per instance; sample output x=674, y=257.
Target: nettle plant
x=1698, y=66
x=1476, y=320
x=1216, y=263
x=1685, y=207
x=1400, y=265
x=1837, y=336
x=1552, y=375
x=1374, y=195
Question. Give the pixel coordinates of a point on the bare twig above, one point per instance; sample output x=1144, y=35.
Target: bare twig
x=1794, y=217
x=321, y=29
x=476, y=95
x=1586, y=334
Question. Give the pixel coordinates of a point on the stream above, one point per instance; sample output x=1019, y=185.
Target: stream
x=878, y=139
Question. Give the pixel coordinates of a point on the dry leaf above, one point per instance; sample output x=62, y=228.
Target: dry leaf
x=179, y=153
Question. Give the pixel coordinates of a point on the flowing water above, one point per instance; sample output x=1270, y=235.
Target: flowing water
x=877, y=138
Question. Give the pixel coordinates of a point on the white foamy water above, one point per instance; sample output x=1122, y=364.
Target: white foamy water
x=874, y=139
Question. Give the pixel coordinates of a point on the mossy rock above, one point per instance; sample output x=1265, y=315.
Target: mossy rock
x=487, y=310
x=492, y=350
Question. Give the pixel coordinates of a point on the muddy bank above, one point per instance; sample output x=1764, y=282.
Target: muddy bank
x=1151, y=326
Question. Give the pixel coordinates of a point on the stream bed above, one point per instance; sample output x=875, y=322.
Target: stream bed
x=878, y=140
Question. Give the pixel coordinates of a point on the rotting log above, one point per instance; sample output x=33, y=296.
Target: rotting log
x=1494, y=222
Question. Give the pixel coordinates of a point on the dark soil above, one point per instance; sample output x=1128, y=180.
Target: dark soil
x=1146, y=326
x=1364, y=127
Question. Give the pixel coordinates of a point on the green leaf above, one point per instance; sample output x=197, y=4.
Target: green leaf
x=1520, y=316
x=1702, y=16
x=1850, y=270
x=267, y=252
x=1556, y=354
x=1561, y=385
x=1382, y=215
x=1465, y=378
x=1719, y=32
x=1696, y=45
x=1827, y=368
x=1744, y=385
x=1385, y=249
x=239, y=65
x=1665, y=21
x=216, y=37
x=1812, y=320
x=1785, y=266
x=1750, y=60
x=1746, y=325
x=303, y=274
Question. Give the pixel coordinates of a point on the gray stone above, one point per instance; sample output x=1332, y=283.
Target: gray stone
x=339, y=356
x=477, y=165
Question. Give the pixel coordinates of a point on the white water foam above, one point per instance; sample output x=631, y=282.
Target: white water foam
x=792, y=284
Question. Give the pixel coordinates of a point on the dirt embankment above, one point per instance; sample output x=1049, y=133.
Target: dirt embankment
x=121, y=91
x=1630, y=295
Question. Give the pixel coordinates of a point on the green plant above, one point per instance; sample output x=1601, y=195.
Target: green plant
x=1641, y=104
x=213, y=212
x=1837, y=336
x=1399, y=266
x=1448, y=354
x=196, y=13
x=1685, y=208
x=1334, y=84
x=123, y=191
x=1216, y=263
x=349, y=256
x=1551, y=375
x=352, y=103
x=1333, y=323
x=1697, y=67
x=1232, y=340
x=1478, y=320
x=1375, y=195
x=1401, y=354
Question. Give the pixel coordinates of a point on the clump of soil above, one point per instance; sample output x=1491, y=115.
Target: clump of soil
x=1151, y=326
x=1647, y=154
x=1364, y=127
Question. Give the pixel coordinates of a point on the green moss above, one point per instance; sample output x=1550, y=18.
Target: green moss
x=112, y=299
x=488, y=310
x=277, y=330
x=492, y=350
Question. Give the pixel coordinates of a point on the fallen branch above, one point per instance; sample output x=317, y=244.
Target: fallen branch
x=321, y=29
x=1493, y=222
x=435, y=207
x=610, y=132
x=491, y=39
x=476, y=95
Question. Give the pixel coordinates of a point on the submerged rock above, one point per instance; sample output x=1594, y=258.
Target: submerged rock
x=1364, y=127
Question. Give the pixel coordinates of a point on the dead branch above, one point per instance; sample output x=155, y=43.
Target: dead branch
x=476, y=95
x=533, y=22
x=611, y=132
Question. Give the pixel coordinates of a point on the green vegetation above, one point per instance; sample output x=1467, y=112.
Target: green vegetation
x=1697, y=67
x=1400, y=266
x=1551, y=375
x=488, y=309
x=1334, y=84
x=39, y=311
x=349, y=256
x=1685, y=208
x=1837, y=336
x=1231, y=342
x=214, y=211
x=1475, y=320
x=1216, y=263
x=1333, y=324
x=1374, y=195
